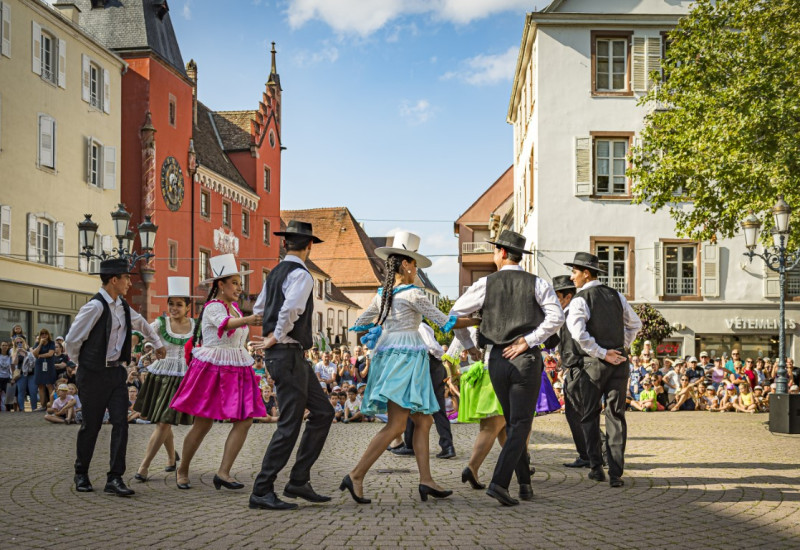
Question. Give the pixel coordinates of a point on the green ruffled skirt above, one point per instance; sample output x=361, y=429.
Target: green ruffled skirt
x=478, y=399
x=154, y=399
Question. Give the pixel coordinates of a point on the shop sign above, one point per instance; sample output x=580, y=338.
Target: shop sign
x=669, y=348
x=739, y=323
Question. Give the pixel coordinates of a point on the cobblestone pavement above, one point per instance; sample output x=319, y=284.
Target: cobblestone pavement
x=692, y=480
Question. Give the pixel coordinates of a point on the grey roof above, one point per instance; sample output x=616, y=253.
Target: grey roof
x=209, y=150
x=132, y=25
x=427, y=281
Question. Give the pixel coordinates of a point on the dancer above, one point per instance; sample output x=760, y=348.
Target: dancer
x=164, y=376
x=399, y=381
x=603, y=324
x=220, y=383
x=100, y=339
x=515, y=328
x=288, y=307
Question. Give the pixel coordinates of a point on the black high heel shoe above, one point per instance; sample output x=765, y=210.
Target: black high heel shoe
x=347, y=483
x=219, y=482
x=468, y=476
x=180, y=485
x=173, y=467
x=425, y=491
x=139, y=477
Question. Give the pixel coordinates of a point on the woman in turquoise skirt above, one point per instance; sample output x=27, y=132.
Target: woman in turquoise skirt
x=399, y=381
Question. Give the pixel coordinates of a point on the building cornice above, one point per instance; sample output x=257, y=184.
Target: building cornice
x=222, y=185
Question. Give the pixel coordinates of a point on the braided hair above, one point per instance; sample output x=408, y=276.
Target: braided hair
x=197, y=337
x=394, y=265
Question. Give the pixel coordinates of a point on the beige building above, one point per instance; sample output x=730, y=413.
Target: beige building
x=60, y=128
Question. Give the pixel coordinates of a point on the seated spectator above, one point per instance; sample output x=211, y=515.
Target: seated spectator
x=133, y=416
x=352, y=407
x=685, y=397
x=451, y=406
x=361, y=388
x=338, y=409
x=347, y=369
x=750, y=373
x=558, y=387
x=726, y=403
x=694, y=370
x=745, y=401
x=758, y=398
x=270, y=404
x=707, y=400
x=133, y=378
x=62, y=409
x=647, y=398
x=662, y=397
x=794, y=389
x=73, y=391
x=326, y=370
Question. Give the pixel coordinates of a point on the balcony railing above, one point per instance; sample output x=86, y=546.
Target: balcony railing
x=476, y=248
x=681, y=286
x=620, y=284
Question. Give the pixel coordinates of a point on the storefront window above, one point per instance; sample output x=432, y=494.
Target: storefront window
x=57, y=324
x=11, y=317
x=750, y=345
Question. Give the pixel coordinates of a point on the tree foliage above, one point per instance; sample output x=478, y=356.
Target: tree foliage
x=723, y=135
x=654, y=327
x=445, y=305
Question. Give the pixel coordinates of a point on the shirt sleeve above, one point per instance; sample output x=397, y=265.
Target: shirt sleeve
x=553, y=314
x=429, y=337
x=422, y=305
x=296, y=289
x=139, y=323
x=469, y=302
x=631, y=321
x=576, y=324
x=81, y=326
x=214, y=314
x=367, y=319
x=261, y=301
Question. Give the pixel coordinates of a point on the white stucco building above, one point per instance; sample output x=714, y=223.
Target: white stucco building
x=582, y=67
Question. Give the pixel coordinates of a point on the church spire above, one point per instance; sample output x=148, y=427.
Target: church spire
x=274, y=78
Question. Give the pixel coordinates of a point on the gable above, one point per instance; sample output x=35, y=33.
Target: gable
x=661, y=7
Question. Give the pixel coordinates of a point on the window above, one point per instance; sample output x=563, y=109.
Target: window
x=101, y=164
x=47, y=142
x=226, y=214
x=205, y=204
x=95, y=86
x=267, y=179
x=610, y=166
x=173, y=255
x=48, y=57
x=611, y=62
x=330, y=319
x=173, y=107
x=319, y=321
x=318, y=288
x=44, y=241
x=341, y=319
x=613, y=258
x=267, y=232
x=5, y=29
x=54, y=322
x=245, y=279
x=245, y=223
x=11, y=317
x=264, y=275
x=94, y=163
x=203, y=267
x=792, y=282
x=680, y=262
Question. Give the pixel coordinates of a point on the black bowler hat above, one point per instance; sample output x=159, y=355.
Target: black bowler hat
x=563, y=282
x=296, y=228
x=511, y=240
x=584, y=260
x=114, y=266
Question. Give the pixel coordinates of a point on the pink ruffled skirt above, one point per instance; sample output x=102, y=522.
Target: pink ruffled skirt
x=221, y=392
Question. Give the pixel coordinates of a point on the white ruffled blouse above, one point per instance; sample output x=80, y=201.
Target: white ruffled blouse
x=174, y=364
x=223, y=346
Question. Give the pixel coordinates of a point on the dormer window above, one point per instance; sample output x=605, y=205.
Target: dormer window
x=161, y=7
x=96, y=4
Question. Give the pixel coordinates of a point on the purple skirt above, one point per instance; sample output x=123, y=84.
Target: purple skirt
x=548, y=401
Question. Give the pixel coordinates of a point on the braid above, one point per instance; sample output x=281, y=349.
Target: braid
x=197, y=337
x=392, y=265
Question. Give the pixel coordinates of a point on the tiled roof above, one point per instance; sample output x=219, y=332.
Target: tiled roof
x=335, y=294
x=348, y=254
x=235, y=129
x=426, y=281
x=209, y=151
x=131, y=25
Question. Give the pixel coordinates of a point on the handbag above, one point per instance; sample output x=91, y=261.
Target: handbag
x=16, y=375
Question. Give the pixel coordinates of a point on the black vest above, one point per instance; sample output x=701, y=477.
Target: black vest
x=606, y=324
x=274, y=302
x=570, y=351
x=510, y=309
x=93, y=351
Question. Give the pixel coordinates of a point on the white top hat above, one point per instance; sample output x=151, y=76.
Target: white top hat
x=407, y=244
x=223, y=266
x=178, y=287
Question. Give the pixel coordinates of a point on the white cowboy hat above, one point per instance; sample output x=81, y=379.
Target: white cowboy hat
x=405, y=244
x=178, y=287
x=223, y=266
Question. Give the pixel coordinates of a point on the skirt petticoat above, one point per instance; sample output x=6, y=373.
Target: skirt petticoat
x=478, y=399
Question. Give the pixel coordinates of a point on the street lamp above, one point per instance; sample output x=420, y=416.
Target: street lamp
x=87, y=230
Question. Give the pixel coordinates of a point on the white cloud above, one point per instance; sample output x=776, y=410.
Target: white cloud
x=327, y=53
x=418, y=112
x=187, y=9
x=465, y=11
x=484, y=70
x=397, y=30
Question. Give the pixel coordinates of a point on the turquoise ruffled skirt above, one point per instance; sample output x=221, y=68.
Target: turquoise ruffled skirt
x=399, y=372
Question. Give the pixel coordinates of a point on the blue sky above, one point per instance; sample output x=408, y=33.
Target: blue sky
x=393, y=108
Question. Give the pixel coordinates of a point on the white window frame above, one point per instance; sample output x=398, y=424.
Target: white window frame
x=44, y=243
x=610, y=172
x=203, y=267
x=267, y=179
x=610, y=60
x=679, y=287
x=267, y=232
x=49, y=57
x=245, y=222
x=5, y=29
x=46, y=119
x=227, y=211
x=205, y=211
x=95, y=160
x=95, y=85
x=620, y=284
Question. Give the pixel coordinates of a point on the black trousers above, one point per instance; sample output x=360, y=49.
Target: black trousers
x=296, y=389
x=101, y=390
x=438, y=374
x=516, y=383
x=609, y=381
x=575, y=381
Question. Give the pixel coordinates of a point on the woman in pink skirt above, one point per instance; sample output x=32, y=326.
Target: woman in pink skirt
x=220, y=383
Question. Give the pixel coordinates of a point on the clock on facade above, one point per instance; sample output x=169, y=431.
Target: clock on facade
x=172, y=183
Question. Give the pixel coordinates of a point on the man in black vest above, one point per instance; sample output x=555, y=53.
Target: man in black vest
x=100, y=337
x=572, y=364
x=603, y=324
x=520, y=311
x=287, y=305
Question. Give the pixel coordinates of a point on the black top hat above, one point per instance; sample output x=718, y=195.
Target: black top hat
x=563, y=282
x=114, y=266
x=296, y=228
x=584, y=260
x=511, y=240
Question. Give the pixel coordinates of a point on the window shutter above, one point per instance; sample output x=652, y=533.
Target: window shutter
x=46, y=141
x=62, y=63
x=106, y=91
x=5, y=229
x=109, y=167
x=32, y=256
x=5, y=30
x=710, y=274
x=36, y=46
x=108, y=243
x=653, y=59
x=583, y=166
x=85, y=79
x=59, y=245
x=639, y=69
x=89, y=141
x=658, y=254
x=772, y=283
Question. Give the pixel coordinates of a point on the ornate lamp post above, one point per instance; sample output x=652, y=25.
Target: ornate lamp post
x=87, y=230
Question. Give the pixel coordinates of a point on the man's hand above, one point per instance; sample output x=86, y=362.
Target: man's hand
x=161, y=353
x=259, y=342
x=519, y=346
x=474, y=354
x=614, y=357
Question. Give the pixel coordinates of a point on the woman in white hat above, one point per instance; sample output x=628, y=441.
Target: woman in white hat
x=399, y=381
x=164, y=376
x=220, y=383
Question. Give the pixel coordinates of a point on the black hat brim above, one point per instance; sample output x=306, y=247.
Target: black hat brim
x=510, y=247
x=314, y=239
x=586, y=266
x=564, y=287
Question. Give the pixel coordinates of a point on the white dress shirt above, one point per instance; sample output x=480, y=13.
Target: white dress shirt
x=88, y=316
x=296, y=289
x=429, y=337
x=472, y=301
x=579, y=315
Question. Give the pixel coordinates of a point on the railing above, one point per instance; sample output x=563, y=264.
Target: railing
x=620, y=284
x=681, y=286
x=476, y=248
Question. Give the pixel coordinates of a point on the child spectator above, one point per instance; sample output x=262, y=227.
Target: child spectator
x=352, y=407
x=73, y=391
x=708, y=400
x=62, y=410
x=133, y=416
x=745, y=402
x=647, y=398
x=338, y=409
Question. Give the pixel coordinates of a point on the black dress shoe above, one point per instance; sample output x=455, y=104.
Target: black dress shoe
x=219, y=482
x=525, y=492
x=82, y=483
x=270, y=501
x=577, y=463
x=390, y=448
x=116, y=486
x=501, y=494
x=448, y=452
x=347, y=483
x=597, y=474
x=426, y=490
x=616, y=482
x=468, y=477
x=403, y=451
x=304, y=491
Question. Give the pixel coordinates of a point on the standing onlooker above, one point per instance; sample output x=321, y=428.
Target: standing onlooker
x=60, y=359
x=16, y=332
x=5, y=371
x=23, y=359
x=346, y=369
x=45, y=370
x=672, y=380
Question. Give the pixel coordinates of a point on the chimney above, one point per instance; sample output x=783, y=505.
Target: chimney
x=70, y=11
x=191, y=71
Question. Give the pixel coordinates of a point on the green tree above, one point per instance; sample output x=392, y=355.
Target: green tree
x=445, y=305
x=723, y=135
x=654, y=327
